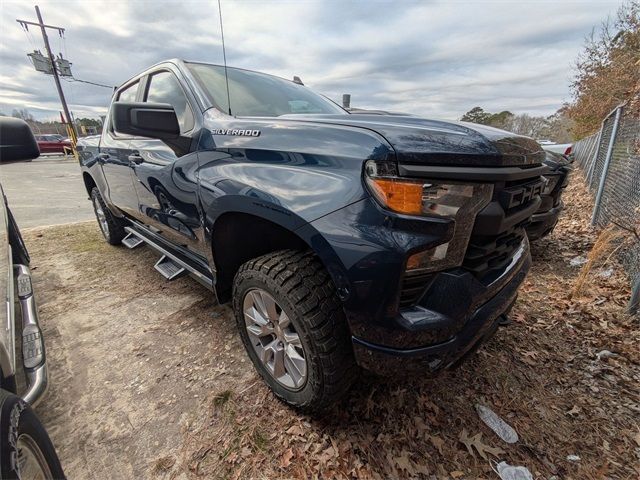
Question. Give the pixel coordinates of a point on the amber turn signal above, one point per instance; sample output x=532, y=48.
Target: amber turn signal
x=399, y=196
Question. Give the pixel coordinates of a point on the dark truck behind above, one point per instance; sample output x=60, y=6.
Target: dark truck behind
x=557, y=178
x=392, y=242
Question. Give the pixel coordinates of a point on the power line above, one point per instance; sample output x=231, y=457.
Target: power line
x=73, y=79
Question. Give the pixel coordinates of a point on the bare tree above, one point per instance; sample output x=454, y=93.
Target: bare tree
x=607, y=71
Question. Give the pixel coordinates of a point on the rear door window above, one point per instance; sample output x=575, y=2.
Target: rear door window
x=129, y=94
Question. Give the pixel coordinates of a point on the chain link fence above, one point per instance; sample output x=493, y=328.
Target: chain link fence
x=610, y=160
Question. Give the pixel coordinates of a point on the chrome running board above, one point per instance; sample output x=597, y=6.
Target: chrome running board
x=169, y=268
x=131, y=241
x=170, y=265
x=33, y=353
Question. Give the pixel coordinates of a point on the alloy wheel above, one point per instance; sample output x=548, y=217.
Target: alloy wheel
x=102, y=217
x=31, y=461
x=274, y=339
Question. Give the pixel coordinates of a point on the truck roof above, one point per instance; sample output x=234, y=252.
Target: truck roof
x=182, y=65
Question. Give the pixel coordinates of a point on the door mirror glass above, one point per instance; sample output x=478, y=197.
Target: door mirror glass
x=165, y=88
x=153, y=120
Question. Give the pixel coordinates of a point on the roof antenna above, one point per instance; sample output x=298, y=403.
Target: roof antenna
x=224, y=56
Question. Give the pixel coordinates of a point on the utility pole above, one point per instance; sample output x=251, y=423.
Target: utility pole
x=56, y=77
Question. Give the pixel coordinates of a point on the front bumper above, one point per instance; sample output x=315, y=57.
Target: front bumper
x=477, y=327
x=365, y=251
x=543, y=223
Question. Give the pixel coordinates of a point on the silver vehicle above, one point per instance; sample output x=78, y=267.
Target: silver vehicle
x=559, y=148
x=25, y=448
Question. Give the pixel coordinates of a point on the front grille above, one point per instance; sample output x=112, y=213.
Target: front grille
x=498, y=232
x=487, y=253
x=516, y=194
x=493, y=243
x=412, y=288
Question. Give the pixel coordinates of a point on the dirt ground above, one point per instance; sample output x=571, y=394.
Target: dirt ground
x=148, y=379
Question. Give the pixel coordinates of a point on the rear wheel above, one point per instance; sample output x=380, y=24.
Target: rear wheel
x=294, y=328
x=26, y=452
x=112, y=227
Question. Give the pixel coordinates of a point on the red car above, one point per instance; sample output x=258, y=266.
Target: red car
x=53, y=143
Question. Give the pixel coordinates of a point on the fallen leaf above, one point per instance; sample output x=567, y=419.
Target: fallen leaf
x=530, y=358
x=574, y=411
x=456, y=474
x=476, y=442
x=437, y=442
x=285, y=460
x=404, y=463
x=328, y=454
x=296, y=430
x=420, y=425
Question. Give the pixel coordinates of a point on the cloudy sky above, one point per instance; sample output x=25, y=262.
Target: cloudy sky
x=435, y=59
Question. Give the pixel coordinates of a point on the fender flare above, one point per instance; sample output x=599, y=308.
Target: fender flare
x=285, y=219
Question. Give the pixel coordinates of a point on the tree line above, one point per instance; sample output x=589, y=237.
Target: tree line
x=556, y=127
x=52, y=126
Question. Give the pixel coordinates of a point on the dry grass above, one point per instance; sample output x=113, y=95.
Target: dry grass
x=605, y=245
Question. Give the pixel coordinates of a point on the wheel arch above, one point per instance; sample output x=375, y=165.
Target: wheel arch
x=237, y=237
x=89, y=182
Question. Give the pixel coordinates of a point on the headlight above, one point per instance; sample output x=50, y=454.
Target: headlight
x=459, y=202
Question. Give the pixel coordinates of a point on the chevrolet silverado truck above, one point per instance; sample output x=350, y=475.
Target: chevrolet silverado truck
x=390, y=242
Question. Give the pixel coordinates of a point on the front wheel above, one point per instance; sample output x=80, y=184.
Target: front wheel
x=112, y=227
x=25, y=448
x=294, y=328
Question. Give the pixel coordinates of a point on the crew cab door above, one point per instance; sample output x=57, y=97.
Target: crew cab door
x=114, y=158
x=166, y=185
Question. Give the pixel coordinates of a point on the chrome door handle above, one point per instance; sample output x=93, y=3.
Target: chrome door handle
x=135, y=158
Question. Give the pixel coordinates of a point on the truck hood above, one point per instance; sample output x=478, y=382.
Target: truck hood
x=421, y=141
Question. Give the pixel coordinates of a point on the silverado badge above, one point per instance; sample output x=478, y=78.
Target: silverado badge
x=235, y=132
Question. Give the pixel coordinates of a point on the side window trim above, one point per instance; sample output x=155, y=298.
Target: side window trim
x=143, y=87
x=141, y=81
x=127, y=87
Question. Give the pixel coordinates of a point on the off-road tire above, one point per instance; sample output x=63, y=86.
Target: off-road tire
x=18, y=420
x=113, y=229
x=302, y=287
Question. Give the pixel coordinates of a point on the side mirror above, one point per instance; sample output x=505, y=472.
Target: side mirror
x=153, y=120
x=16, y=140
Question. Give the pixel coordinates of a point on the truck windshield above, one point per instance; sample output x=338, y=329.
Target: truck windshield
x=256, y=94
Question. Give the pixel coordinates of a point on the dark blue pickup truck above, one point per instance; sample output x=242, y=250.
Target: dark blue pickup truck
x=391, y=242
